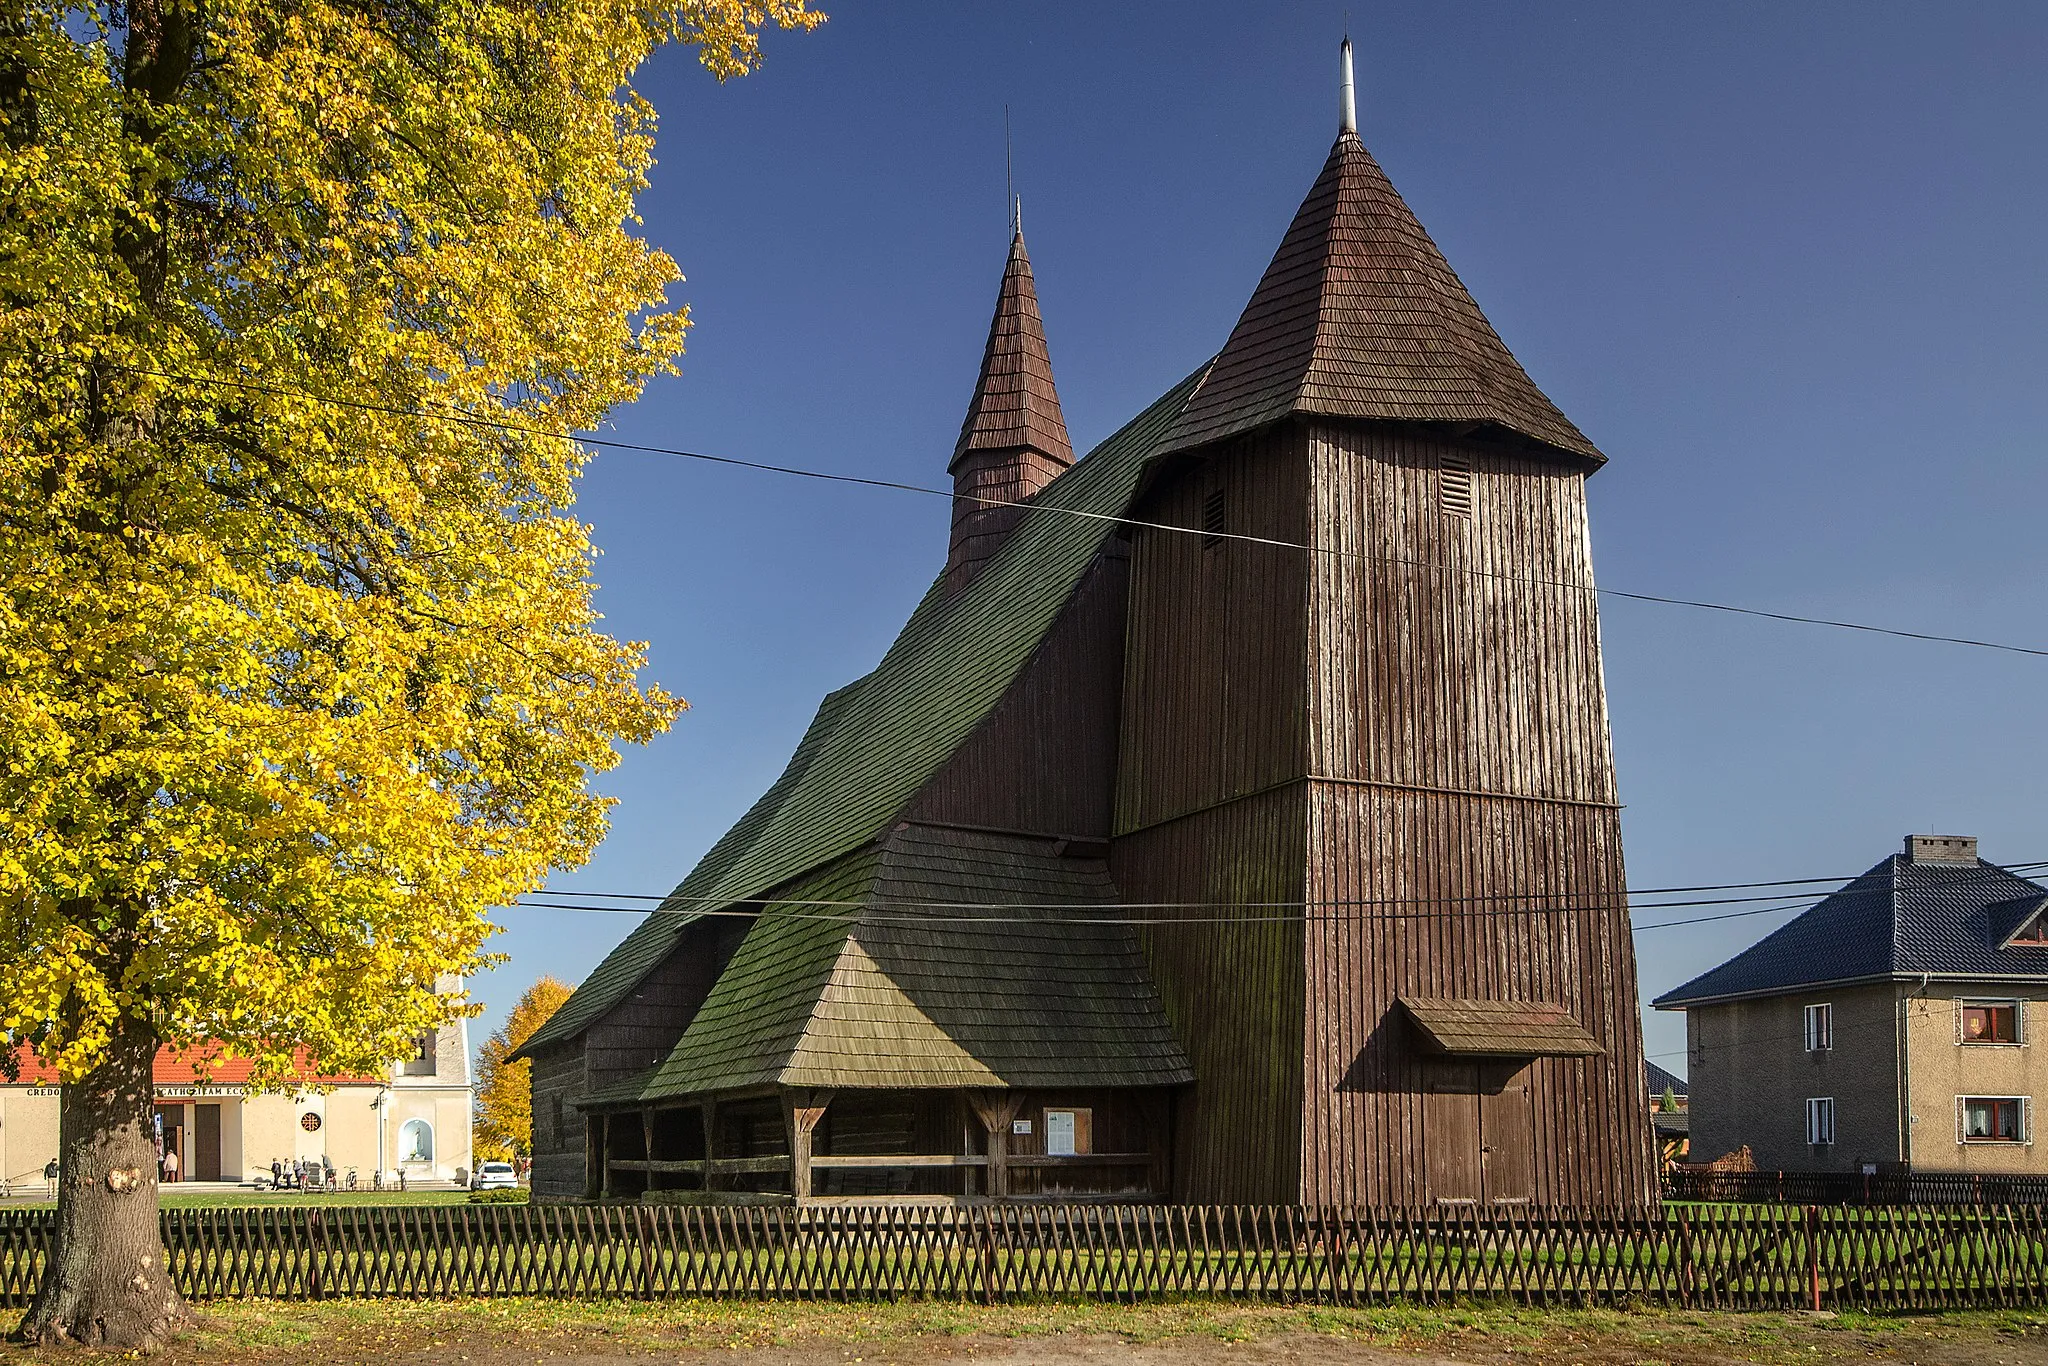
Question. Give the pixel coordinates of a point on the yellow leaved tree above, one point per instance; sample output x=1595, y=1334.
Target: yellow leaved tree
x=299, y=670
x=504, y=1094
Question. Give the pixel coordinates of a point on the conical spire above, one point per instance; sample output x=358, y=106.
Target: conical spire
x=1360, y=316
x=1015, y=405
x=1014, y=441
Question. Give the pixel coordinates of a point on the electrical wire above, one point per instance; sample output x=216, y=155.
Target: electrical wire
x=928, y=912
x=1031, y=506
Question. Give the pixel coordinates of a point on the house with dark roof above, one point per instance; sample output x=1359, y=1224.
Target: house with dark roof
x=1233, y=820
x=1898, y=1024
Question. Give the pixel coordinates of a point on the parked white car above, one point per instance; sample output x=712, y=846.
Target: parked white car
x=494, y=1176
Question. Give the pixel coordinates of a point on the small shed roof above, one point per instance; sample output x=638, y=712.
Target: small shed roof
x=1901, y=919
x=916, y=987
x=1500, y=1029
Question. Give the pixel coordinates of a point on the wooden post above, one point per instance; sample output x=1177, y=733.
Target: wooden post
x=801, y=1111
x=601, y=1137
x=1813, y=1253
x=996, y=1109
x=647, y=1141
x=710, y=1143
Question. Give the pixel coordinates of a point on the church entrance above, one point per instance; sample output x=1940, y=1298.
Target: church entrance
x=1479, y=1133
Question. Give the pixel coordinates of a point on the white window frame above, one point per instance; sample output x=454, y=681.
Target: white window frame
x=2019, y=1024
x=1820, y=1121
x=2026, y=1138
x=1820, y=1027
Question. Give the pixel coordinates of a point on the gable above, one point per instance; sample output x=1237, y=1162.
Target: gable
x=875, y=742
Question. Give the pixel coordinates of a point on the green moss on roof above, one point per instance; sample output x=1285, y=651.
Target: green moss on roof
x=919, y=989
x=875, y=742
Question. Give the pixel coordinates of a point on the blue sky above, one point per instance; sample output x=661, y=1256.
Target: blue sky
x=1784, y=264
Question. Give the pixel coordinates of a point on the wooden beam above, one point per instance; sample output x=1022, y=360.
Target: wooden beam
x=647, y=1142
x=886, y=1160
x=801, y=1111
x=710, y=1112
x=996, y=1110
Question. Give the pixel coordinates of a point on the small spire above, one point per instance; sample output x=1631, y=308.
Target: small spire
x=1347, y=103
x=1017, y=216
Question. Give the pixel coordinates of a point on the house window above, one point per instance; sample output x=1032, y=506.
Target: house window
x=1990, y=1022
x=2034, y=932
x=1820, y=1119
x=1820, y=1028
x=1993, y=1119
x=1069, y=1133
x=421, y=1064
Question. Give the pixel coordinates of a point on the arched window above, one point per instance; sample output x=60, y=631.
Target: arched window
x=415, y=1141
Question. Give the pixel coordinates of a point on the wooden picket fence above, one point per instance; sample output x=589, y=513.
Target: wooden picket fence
x=1736, y=1257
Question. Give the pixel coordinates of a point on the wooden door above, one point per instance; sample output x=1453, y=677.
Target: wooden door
x=1507, y=1143
x=1452, y=1169
x=206, y=1143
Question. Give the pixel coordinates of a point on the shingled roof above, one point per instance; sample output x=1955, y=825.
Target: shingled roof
x=1360, y=316
x=915, y=988
x=875, y=742
x=1015, y=405
x=1901, y=919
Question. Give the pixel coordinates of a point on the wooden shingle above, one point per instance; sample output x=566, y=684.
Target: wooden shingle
x=1360, y=316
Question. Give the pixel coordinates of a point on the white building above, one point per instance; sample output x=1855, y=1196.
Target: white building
x=414, y=1121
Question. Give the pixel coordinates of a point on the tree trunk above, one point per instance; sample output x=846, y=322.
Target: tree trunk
x=106, y=1284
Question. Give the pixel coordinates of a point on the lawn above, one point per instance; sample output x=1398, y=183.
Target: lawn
x=1195, y=1333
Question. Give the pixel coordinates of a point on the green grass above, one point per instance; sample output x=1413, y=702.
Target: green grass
x=452, y=1330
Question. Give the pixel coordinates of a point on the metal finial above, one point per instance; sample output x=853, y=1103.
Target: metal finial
x=1347, y=103
x=1017, y=216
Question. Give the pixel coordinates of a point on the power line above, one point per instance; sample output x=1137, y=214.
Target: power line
x=1028, y=505
x=570, y=893
x=926, y=912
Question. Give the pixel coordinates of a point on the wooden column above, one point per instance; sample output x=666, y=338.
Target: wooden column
x=710, y=1144
x=601, y=1126
x=647, y=1142
x=801, y=1111
x=593, y=1155
x=996, y=1110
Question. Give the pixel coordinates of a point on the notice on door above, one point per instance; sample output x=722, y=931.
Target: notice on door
x=1059, y=1133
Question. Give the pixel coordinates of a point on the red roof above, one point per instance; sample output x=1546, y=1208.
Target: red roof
x=192, y=1067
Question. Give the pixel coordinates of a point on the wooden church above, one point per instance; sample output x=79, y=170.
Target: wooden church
x=1249, y=837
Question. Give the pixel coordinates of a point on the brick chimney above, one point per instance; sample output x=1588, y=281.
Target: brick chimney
x=1941, y=849
x=1014, y=441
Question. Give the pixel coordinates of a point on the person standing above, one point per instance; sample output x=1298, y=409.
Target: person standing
x=50, y=1175
x=171, y=1166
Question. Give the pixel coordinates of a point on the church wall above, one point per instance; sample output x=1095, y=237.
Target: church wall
x=1463, y=834
x=1210, y=804
x=1044, y=762
x=630, y=1038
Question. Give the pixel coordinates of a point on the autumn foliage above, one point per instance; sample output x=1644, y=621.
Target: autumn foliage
x=504, y=1090
x=299, y=667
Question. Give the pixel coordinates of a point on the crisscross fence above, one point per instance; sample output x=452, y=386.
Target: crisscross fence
x=1711, y=1256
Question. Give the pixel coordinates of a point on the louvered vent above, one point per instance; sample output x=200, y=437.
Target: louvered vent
x=1454, y=486
x=1212, y=519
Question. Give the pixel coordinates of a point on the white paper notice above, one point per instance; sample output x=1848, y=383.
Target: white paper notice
x=1059, y=1133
